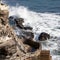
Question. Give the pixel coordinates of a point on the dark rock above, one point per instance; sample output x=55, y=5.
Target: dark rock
x=28, y=28
x=3, y=53
x=32, y=43
x=28, y=34
x=7, y=48
x=11, y=21
x=43, y=36
x=19, y=22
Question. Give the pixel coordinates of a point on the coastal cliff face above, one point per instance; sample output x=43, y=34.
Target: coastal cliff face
x=13, y=48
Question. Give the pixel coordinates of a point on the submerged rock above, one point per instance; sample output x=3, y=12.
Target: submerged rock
x=43, y=36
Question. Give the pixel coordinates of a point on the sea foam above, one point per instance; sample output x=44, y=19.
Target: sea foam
x=41, y=22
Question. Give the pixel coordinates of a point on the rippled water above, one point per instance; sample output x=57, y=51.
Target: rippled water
x=38, y=5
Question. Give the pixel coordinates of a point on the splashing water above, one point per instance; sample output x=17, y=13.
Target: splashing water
x=42, y=22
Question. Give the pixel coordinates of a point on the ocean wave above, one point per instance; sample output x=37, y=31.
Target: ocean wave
x=41, y=22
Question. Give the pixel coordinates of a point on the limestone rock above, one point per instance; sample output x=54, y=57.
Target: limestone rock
x=28, y=34
x=45, y=55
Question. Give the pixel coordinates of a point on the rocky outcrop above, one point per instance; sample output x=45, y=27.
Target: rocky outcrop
x=43, y=36
x=19, y=22
x=13, y=48
x=28, y=34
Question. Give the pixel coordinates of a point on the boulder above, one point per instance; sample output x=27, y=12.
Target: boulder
x=19, y=22
x=43, y=36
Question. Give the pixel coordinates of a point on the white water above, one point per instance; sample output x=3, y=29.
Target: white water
x=41, y=22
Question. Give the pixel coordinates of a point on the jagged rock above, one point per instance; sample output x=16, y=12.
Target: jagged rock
x=43, y=36
x=19, y=22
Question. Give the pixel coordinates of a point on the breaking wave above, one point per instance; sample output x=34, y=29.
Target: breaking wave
x=41, y=22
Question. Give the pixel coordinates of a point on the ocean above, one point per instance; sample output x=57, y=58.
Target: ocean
x=43, y=16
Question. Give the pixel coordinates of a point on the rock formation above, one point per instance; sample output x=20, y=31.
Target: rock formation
x=43, y=36
x=13, y=48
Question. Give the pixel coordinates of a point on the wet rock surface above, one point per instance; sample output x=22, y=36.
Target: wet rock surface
x=43, y=36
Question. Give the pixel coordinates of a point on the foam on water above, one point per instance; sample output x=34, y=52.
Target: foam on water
x=41, y=22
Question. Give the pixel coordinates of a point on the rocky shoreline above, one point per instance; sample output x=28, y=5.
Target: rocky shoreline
x=22, y=46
